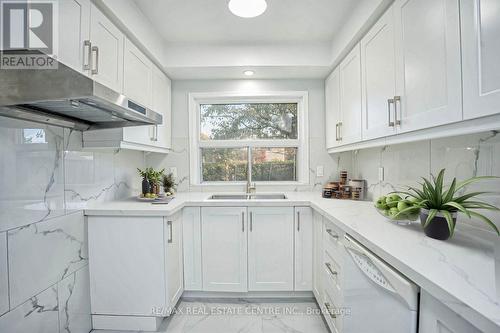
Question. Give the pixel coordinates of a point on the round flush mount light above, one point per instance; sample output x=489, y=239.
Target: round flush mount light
x=249, y=73
x=247, y=8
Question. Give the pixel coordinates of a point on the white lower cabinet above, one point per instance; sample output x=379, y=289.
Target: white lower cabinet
x=174, y=267
x=250, y=249
x=135, y=270
x=303, y=249
x=317, y=255
x=224, y=248
x=435, y=317
x=191, y=229
x=270, y=249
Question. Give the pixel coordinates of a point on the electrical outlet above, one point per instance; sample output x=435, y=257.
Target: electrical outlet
x=173, y=171
x=380, y=174
x=320, y=171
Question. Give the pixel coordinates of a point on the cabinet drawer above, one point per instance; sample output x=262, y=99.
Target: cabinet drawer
x=332, y=238
x=330, y=309
x=332, y=275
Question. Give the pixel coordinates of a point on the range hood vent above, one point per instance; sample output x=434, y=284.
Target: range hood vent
x=67, y=98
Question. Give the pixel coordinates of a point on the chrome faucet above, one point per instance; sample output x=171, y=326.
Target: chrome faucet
x=251, y=188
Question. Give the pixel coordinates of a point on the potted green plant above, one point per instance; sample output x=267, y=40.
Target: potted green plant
x=440, y=205
x=169, y=183
x=151, y=180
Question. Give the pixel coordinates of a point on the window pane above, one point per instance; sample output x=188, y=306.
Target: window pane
x=224, y=164
x=248, y=121
x=274, y=164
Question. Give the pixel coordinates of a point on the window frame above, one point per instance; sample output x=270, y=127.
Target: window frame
x=301, y=143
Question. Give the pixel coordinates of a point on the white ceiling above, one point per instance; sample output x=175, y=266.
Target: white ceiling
x=210, y=21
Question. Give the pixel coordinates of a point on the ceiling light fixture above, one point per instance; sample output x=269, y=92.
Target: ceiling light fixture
x=249, y=73
x=247, y=8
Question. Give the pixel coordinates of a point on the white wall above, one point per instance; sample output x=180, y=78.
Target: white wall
x=180, y=133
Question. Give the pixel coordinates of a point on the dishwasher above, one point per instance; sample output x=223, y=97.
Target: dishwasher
x=376, y=297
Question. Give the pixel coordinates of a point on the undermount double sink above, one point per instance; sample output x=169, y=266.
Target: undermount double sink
x=253, y=196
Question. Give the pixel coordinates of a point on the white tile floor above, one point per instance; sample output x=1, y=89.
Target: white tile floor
x=248, y=316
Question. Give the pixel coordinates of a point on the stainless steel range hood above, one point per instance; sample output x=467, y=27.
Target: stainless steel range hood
x=67, y=98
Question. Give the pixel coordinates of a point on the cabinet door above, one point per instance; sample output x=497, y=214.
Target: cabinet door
x=127, y=271
x=350, y=97
x=270, y=249
x=224, y=244
x=107, y=51
x=137, y=75
x=378, y=78
x=174, y=261
x=74, y=34
x=137, y=85
x=317, y=255
x=303, y=249
x=480, y=52
x=332, y=109
x=162, y=103
x=428, y=63
x=191, y=230
x=435, y=317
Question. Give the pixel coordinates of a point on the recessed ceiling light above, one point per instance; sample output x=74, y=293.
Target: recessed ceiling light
x=247, y=8
x=249, y=73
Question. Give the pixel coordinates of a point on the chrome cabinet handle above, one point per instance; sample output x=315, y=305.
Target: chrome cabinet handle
x=87, y=44
x=330, y=311
x=334, y=236
x=337, y=132
x=340, y=131
x=242, y=221
x=330, y=269
x=397, y=99
x=251, y=221
x=389, y=102
x=298, y=221
x=95, y=50
x=170, y=233
x=155, y=134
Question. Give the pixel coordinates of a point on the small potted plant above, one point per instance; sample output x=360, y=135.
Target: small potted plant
x=440, y=205
x=169, y=184
x=151, y=181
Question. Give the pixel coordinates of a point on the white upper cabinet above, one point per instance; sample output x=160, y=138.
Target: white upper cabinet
x=480, y=52
x=224, y=248
x=162, y=103
x=428, y=76
x=107, y=51
x=332, y=109
x=270, y=249
x=74, y=34
x=137, y=75
x=350, y=97
x=378, y=65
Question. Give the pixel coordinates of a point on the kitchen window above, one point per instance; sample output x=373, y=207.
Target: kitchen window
x=259, y=137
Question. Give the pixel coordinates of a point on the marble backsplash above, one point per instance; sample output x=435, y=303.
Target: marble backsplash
x=46, y=179
x=404, y=164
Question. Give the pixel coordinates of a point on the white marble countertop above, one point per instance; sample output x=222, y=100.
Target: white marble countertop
x=461, y=272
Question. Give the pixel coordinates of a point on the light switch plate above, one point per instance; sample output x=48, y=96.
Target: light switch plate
x=320, y=171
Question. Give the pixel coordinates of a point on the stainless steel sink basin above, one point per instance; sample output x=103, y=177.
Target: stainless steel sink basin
x=260, y=196
x=268, y=196
x=229, y=197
